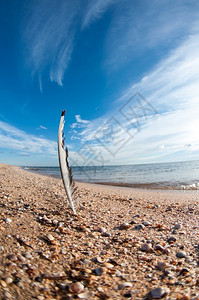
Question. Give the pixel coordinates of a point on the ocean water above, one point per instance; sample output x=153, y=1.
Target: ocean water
x=175, y=175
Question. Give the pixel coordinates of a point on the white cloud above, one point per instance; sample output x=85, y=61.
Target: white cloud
x=43, y=127
x=48, y=36
x=94, y=11
x=147, y=25
x=80, y=123
x=18, y=140
x=79, y=120
x=49, y=30
x=172, y=88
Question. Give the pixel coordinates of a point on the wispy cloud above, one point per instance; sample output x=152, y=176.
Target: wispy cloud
x=80, y=123
x=18, y=140
x=95, y=10
x=43, y=127
x=79, y=120
x=172, y=89
x=134, y=31
x=48, y=35
x=50, y=31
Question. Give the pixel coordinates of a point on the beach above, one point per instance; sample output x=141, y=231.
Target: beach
x=124, y=243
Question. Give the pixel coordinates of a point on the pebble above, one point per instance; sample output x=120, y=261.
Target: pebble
x=146, y=247
x=161, y=266
x=106, y=234
x=21, y=258
x=101, y=270
x=124, y=226
x=108, y=265
x=76, y=287
x=27, y=255
x=146, y=223
x=118, y=273
x=8, y=280
x=171, y=239
x=50, y=237
x=8, y=220
x=139, y=226
x=178, y=226
x=98, y=259
x=12, y=257
x=181, y=254
x=55, y=222
x=85, y=295
x=158, y=293
x=124, y=285
x=159, y=247
x=102, y=229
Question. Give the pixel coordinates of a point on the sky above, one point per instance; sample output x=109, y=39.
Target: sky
x=126, y=72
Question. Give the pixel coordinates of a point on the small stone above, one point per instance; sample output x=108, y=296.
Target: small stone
x=86, y=261
x=102, y=229
x=124, y=285
x=108, y=265
x=124, y=226
x=167, y=251
x=183, y=272
x=159, y=292
x=159, y=247
x=76, y=287
x=161, y=266
x=8, y=220
x=181, y=254
x=17, y=280
x=1, y=248
x=27, y=255
x=8, y=280
x=106, y=234
x=3, y=283
x=118, y=273
x=98, y=259
x=12, y=257
x=21, y=258
x=101, y=270
x=87, y=271
x=178, y=226
x=139, y=227
x=85, y=295
x=146, y=247
x=146, y=223
x=55, y=222
x=50, y=237
x=40, y=297
x=171, y=239
x=38, y=279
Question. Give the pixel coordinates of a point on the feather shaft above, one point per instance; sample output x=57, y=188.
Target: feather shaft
x=66, y=172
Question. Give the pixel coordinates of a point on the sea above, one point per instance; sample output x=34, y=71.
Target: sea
x=174, y=175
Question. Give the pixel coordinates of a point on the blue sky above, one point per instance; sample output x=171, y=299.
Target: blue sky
x=126, y=72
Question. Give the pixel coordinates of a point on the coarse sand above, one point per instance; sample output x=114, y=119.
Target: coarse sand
x=123, y=243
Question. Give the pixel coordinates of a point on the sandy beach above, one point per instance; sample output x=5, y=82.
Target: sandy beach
x=123, y=243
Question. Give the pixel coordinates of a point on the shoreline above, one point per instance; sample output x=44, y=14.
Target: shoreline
x=123, y=242
x=139, y=186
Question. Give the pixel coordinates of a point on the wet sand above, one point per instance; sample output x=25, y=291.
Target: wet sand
x=123, y=243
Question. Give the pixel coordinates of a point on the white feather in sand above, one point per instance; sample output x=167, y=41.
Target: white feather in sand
x=66, y=171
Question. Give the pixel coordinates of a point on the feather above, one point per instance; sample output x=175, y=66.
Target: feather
x=66, y=171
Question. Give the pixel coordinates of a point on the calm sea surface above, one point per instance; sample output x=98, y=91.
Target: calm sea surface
x=175, y=175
